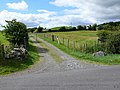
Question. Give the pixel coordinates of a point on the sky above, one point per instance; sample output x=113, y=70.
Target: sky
x=53, y=13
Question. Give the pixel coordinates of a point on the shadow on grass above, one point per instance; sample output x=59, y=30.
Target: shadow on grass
x=30, y=59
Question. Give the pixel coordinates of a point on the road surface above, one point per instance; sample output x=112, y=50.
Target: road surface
x=70, y=74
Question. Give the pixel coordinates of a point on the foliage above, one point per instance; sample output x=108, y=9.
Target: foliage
x=113, y=43
x=87, y=27
x=39, y=29
x=62, y=29
x=103, y=35
x=111, y=26
x=109, y=59
x=13, y=65
x=16, y=32
x=3, y=39
x=32, y=29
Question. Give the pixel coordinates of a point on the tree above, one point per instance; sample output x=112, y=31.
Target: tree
x=80, y=27
x=113, y=43
x=103, y=35
x=94, y=26
x=62, y=28
x=39, y=29
x=32, y=29
x=16, y=32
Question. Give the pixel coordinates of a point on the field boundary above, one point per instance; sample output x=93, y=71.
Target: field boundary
x=84, y=47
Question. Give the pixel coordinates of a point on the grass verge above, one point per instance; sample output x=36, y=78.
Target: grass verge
x=12, y=65
x=111, y=59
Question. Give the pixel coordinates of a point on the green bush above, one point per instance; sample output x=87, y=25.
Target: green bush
x=113, y=43
x=103, y=35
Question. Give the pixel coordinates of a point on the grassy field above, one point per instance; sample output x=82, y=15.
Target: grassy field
x=81, y=37
x=78, y=36
x=78, y=40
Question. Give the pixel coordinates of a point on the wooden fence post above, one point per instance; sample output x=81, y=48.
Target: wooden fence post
x=53, y=38
x=63, y=41
x=2, y=51
x=68, y=43
x=58, y=40
x=44, y=35
x=74, y=45
x=95, y=47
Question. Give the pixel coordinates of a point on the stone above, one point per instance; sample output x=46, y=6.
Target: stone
x=99, y=54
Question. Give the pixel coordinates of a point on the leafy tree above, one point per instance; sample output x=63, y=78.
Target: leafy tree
x=16, y=32
x=113, y=43
x=39, y=29
x=103, y=35
x=62, y=28
x=80, y=27
x=94, y=26
x=32, y=29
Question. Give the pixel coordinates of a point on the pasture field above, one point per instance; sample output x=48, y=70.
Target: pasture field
x=81, y=37
x=78, y=36
x=77, y=40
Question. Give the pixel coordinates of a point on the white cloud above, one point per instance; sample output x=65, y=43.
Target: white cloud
x=18, y=6
x=83, y=12
x=31, y=20
x=49, y=13
x=95, y=11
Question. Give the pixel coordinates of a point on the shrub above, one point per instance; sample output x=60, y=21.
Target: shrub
x=113, y=43
x=103, y=35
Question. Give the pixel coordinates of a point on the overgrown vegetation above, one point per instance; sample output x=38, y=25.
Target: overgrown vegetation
x=16, y=32
x=3, y=40
x=13, y=65
x=111, y=26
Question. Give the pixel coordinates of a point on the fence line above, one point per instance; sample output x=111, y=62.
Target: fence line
x=83, y=47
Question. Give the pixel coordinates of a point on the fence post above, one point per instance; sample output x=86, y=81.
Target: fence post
x=58, y=40
x=74, y=45
x=63, y=41
x=2, y=51
x=95, y=47
x=68, y=43
x=53, y=39
x=44, y=35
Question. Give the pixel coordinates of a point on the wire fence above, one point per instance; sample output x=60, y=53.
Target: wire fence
x=82, y=47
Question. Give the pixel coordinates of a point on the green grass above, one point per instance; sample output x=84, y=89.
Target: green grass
x=109, y=59
x=12, y=65
x=78, y=36
x=3, y=39
x=57, y=28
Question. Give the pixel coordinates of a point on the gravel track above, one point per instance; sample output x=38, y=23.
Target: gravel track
x=48, y=64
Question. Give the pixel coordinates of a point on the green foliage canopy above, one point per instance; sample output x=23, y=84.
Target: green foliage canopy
x=16, y=32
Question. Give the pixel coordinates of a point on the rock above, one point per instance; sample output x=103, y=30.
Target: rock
x=99, y=54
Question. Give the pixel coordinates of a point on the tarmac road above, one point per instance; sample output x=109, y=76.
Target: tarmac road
x=106, y=78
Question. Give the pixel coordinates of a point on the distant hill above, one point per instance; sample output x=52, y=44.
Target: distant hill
x=112, y=26
x=57, y=28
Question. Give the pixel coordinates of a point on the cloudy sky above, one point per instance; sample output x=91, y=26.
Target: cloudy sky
x=51, y=13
